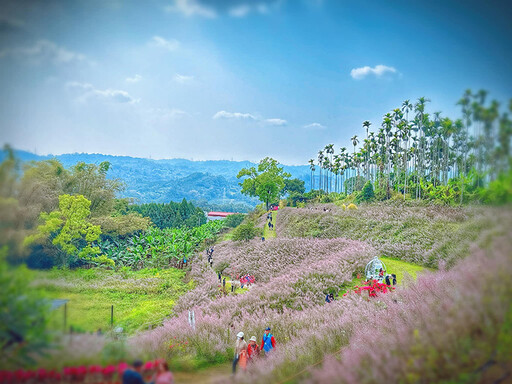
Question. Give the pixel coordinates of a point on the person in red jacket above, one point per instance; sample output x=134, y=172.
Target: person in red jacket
x=268, y=342
x=253, y=349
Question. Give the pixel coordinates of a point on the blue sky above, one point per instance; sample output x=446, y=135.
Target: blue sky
x=236, y=79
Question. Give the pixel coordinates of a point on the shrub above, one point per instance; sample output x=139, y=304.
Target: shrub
x=246, y=232
x=351, y=206
x=233, y=221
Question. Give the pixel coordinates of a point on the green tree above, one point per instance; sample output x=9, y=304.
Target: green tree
x=265, y=182
x=91, y=181
x=366, y=193
x=69, y=228
x=295, y=186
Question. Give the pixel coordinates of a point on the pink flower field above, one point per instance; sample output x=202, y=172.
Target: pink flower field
x=357, y=338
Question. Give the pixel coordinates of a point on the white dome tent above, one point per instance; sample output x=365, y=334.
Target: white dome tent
x=373, y=268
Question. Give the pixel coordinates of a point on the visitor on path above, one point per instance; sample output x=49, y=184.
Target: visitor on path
x=220, y=277
x=262, y=238
x=224, y=283
x=327, y=299
x=394, y=278
x=388, y=282
x=268, y=343
x=163, y=374
x=253, y=349
x=240, y=352
x=269, y=224
x=132, y=375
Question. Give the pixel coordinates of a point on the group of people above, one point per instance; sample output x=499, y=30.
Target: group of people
x=247, y=280
x=133, y=374
x=269, y=223
x=245, y=353
x=388, y=278
x=209, y=254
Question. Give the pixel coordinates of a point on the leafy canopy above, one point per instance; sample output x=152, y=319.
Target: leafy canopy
x=265, y=182
x=69, y=227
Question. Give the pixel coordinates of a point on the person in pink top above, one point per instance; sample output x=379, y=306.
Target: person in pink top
x=163, y=375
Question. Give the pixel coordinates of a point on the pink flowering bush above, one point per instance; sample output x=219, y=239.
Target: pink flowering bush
x=292, y=277
x=418, y=234
x=443, y=327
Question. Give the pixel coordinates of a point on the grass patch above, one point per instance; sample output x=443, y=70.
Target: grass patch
x=141, y=298
x=400, y=268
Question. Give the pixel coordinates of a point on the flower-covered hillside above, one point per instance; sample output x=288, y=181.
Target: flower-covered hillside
x=292, y=278
x=423, y=235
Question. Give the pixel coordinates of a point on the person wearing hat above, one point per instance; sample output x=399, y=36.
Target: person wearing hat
x=240, y=351
x=268, y=342
x=253, y=349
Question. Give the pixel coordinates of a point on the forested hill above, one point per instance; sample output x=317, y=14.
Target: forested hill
x=211, y=183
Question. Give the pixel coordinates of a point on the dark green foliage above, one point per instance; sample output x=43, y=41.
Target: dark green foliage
x=171, y=215
x=234, y=221
x=294, y=186
x=367, y=194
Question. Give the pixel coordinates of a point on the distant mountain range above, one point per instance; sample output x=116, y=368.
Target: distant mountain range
x=211, y=183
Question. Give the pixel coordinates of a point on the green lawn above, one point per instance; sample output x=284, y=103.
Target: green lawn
x=399, y=268
x=267, y=233
x=140, y=298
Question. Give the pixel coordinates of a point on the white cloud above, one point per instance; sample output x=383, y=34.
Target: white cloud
x=314, y=126
x=134, y=79
x=44, y=50
x=170, y=45
x=249, y=117
x=234, y=115
x=191, y=8
x=378, y=70
x=240, y=11
x=243, y=10
x=88, y=91
x=182, y=78
x=277, y=122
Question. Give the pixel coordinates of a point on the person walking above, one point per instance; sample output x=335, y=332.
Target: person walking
x=132, y=375
x=253, y=349
x=240, y=352
x=163, y=374
x=268, y=343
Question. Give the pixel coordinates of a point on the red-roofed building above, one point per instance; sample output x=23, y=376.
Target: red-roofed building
x=219, y=215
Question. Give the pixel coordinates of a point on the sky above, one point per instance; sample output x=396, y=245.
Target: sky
x=236, y=79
